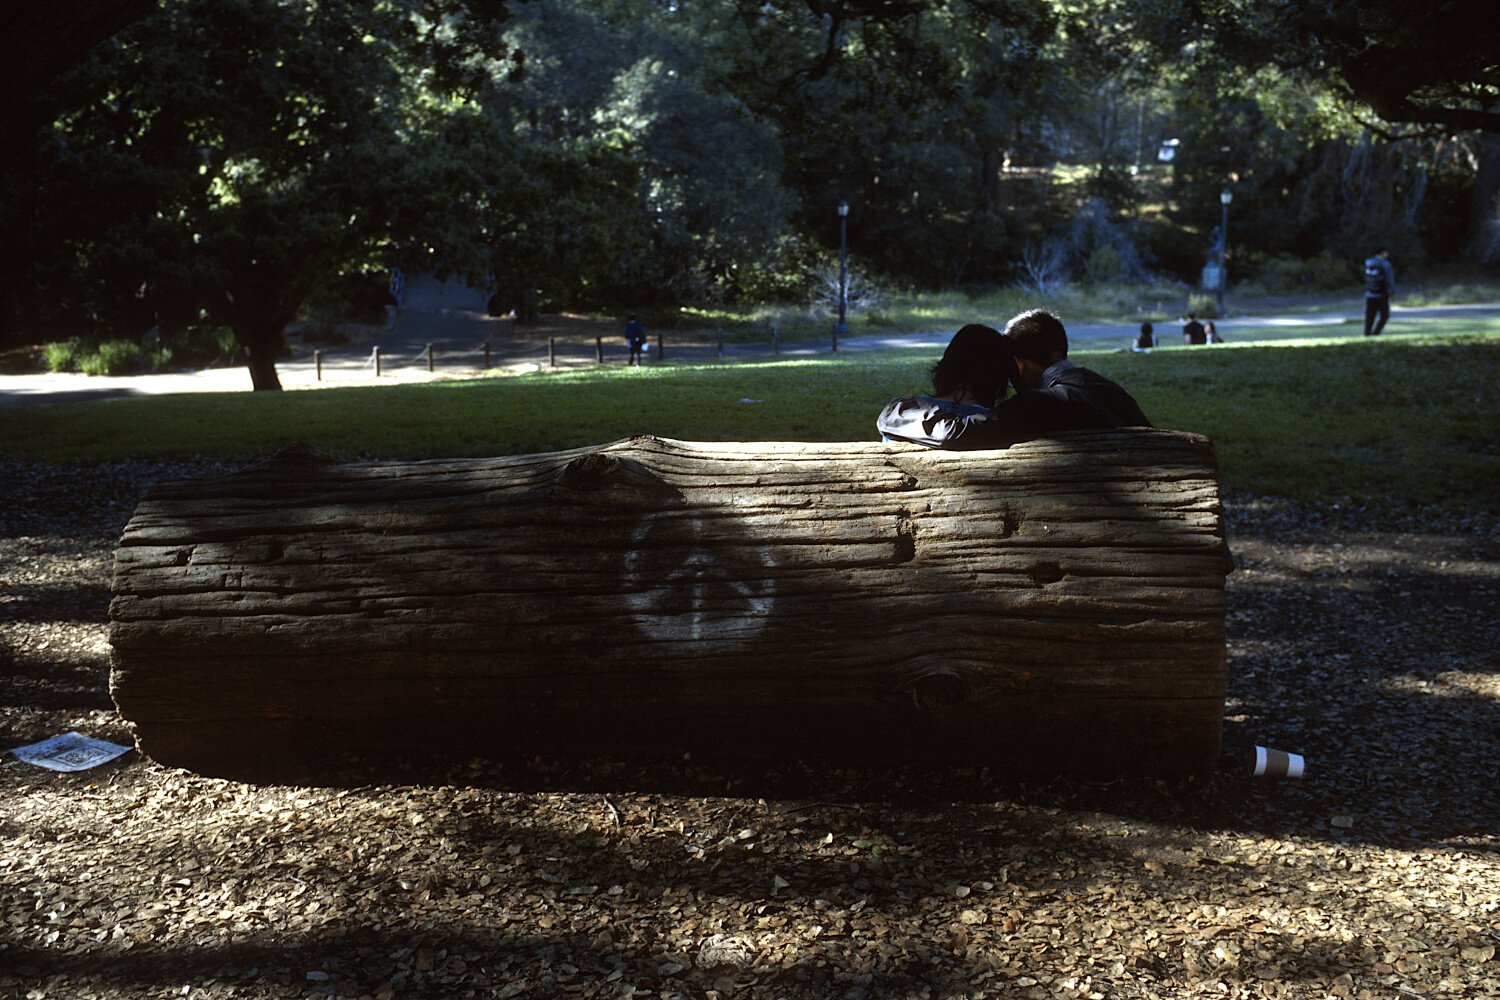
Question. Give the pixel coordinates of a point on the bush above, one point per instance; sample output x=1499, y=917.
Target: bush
x=201, y=347
x=61, y=355
x=112, y=357
x=1282, y=275
x=1204, y=304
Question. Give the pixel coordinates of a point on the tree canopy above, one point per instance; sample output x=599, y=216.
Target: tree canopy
x=219, y=162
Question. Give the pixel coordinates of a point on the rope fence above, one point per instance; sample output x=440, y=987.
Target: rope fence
x=433, y=358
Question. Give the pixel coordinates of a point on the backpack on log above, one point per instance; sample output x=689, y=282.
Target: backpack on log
x=1054, y=607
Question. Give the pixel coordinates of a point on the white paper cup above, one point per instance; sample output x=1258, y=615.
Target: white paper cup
x=1271, y=763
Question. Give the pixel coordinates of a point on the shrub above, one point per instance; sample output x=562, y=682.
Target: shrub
x=1102, y=248
x=1204, y=304
x=199, y=347
x=61, y=355
x=112, y=357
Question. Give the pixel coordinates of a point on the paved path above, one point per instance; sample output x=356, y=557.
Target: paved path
x=452, y=319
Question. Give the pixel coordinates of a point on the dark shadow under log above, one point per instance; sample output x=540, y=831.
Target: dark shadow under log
x=1055, y=607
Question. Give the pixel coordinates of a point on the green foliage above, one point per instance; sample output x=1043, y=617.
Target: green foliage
x=200, y=347
x=1432, y=67
x=61, y=355
x=240, y=159
x=106, y=357
x=561, y=223
x=112, y=357
x=229, y=157
x=1204, y=304
x=1281, y=274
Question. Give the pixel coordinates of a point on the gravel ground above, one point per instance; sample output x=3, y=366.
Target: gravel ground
x=1366, y=642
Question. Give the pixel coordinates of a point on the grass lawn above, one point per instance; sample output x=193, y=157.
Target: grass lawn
x=1408, y=418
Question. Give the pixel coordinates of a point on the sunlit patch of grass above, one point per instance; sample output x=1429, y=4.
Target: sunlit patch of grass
x=1405, y=417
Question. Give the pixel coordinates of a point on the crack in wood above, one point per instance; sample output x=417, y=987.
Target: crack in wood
x=906, y=538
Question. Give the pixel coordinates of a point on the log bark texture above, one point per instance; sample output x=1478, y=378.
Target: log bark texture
x=1057, y=606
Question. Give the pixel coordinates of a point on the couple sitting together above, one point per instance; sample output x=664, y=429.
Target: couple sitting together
x=968, y=409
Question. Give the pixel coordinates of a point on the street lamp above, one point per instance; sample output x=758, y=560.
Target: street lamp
x=1225, y=197
x=843, y=272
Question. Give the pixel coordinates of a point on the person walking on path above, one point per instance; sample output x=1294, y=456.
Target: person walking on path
x=635, y=338
x=1380, y=285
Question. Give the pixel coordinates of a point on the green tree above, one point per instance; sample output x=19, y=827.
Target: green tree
x=228, y=155
x=908, y=111
x=562, y=224
x=631, y=80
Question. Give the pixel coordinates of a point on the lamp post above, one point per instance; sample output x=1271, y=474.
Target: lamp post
x=843, y=272
x=1225, y=197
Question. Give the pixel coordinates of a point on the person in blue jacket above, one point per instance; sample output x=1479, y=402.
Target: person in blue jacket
x=1052, y=394
x=635, y=339
x=1380, y=286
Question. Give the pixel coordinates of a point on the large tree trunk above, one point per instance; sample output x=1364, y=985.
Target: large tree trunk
x=262, y=347
x=1486, y=200
x=1058, y=606
x=263, y=374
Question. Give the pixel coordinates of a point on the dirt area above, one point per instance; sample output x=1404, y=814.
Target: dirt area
x=1365, y=642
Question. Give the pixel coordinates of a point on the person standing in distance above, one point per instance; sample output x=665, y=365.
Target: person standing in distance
x=1380, y=285
x=635, y=338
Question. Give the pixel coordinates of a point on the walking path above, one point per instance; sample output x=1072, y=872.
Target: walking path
x=451, y=318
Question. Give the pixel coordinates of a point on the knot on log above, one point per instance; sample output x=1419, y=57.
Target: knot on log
x=294, y=455
x=1044, y=573
x=938, y=689
x=610, y=478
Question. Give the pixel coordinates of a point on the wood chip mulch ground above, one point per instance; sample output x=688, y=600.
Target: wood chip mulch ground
x=1367, y=643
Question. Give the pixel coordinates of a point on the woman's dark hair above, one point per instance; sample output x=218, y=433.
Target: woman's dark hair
x=978, y=359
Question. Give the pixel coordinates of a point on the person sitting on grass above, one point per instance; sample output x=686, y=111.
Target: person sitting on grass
x=1193, y=331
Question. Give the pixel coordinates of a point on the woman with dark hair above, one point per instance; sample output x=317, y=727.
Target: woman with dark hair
x=967, y=381
x=974, y=368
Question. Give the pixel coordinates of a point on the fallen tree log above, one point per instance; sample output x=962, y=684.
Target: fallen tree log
x=1057, y=606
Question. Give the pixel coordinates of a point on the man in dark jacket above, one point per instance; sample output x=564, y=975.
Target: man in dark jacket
x=1193, y=332
x=1380, y=285
x=1052, y=394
